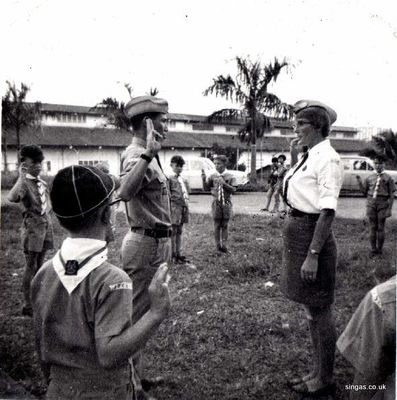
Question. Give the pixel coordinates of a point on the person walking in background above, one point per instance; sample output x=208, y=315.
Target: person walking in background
x=311, y=189
x=379, y=189
x=281, y=171
x=272, y=181
x=222, y=184
x=37, y=231
x=179, y=192
x=144, y=188
x=82, y=304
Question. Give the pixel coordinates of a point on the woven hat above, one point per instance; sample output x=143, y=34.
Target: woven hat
x=79, y=189
x=145, y=104
x=303, y=104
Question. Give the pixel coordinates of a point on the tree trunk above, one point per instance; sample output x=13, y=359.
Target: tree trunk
x=18, y=135
x=5, y=156
x=253, y=177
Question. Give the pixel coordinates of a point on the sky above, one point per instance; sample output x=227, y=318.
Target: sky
x=343, y=53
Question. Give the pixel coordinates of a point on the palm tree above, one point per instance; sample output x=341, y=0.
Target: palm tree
x=384, y=143
x=17, y=114
x=250, y=89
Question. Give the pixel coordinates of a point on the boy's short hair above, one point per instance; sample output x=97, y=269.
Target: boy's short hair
x=274, y=159
x=222, y=158
x=77, y=194
x=32, y=151
x=281, y=156
x=178, y=160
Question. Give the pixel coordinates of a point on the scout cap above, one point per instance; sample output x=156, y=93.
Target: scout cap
x=303, y=104
x=79, y=189
x=146, y=104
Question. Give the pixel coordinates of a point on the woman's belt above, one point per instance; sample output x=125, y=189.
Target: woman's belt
x=300, y=214
x=154, y=233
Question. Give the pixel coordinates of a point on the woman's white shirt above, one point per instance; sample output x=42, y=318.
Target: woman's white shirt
x=316, y=185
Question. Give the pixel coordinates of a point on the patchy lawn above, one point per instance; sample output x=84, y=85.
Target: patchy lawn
x=224, y=337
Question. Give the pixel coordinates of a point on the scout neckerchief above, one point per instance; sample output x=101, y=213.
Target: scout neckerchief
x=377, y=184
x=82, y=256
x=285, y=192
x=41, y=190
x=221, y=192
x=183, y=187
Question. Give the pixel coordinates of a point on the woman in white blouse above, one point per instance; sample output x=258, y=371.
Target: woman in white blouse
x=311, y=189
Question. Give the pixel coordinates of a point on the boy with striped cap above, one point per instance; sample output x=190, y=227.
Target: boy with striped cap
x=37, y=232
x=82, y=304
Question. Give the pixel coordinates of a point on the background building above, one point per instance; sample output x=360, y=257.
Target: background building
x=80, y=135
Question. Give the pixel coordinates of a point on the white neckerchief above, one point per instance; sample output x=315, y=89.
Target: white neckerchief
x=35, y=178
x=78, y=249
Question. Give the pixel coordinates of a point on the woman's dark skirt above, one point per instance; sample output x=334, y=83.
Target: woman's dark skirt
x=298, y=234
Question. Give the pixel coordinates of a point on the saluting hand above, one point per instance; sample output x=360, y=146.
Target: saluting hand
x=160, y=302
x=153, y=138
x=309, y=269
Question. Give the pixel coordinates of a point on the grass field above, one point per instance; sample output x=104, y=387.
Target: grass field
x=224, y=337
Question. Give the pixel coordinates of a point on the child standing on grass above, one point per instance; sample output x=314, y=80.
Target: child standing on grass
x=37, y=232
x=281, y=172
x=379, y=189
x=82, y=304
x=222, y=184
x=179, y=195
x=272, y=181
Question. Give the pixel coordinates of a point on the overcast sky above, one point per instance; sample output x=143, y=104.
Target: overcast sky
x=343, y=53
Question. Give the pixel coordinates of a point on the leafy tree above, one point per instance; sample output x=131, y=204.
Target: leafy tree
x=17, y=114
x=384, y=143
x=249, y=89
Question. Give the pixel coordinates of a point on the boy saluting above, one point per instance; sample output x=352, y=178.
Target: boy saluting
x=222, y=184
x=379, y=189
x=37, y=232
x=82, y=304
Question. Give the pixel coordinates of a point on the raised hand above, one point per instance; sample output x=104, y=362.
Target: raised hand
x=153, y=138
x=160, y=302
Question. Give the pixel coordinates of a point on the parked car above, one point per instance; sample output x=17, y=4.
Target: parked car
x=192, y=172
x=362, y=166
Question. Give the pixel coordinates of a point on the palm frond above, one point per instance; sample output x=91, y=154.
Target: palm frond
x=272, y=105
x=370, y=152
x=223, y=86
x=225, y=115
x=114, y=111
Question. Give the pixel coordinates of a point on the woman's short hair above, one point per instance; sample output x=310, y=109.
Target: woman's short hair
x=222, y=158
x=318, y=118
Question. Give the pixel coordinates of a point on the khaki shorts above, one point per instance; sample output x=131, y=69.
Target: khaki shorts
x=221, y=212
x=37, y=233
x=377, y=208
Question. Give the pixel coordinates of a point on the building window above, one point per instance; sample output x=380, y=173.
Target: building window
x=171, y=124
x=48, y=164
x=93, y=162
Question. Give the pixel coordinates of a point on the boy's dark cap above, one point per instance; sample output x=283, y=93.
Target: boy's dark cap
x=178, y=160
x=77, y=190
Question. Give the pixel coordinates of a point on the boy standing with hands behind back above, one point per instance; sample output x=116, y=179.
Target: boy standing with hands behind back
x=179, y=195
x=379, y=189
x=222, y=184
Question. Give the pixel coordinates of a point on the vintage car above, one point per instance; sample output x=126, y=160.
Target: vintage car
x=359, y=166
x=192, y=172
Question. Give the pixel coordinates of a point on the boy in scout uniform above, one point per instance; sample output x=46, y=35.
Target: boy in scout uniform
x=281, y=171
x=379, y=189
x=82, y=304
x=222, y=184
x=144, y=189
x=179, y=190
x=37, y=232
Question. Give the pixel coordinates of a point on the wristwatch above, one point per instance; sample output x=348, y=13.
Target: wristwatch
x=314, y=252
x=146, y=158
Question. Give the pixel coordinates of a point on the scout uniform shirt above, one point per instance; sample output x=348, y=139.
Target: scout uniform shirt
x=72, y=311
x=179, y=190
x=222, y=196
x=315, y=181
x=149, y=208
x=34, y=196
x=385, y=187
